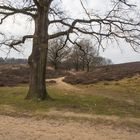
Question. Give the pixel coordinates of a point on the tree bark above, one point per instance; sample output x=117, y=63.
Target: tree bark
x=37, y=85
x=37, y=60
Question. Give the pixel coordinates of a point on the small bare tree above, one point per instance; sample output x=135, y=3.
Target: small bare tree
x=57, y=52
x=75, y=57
x=88, y=53
x=115, y=24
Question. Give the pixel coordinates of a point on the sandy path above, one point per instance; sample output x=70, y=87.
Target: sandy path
x=30, y=129
x=63, y=85
x=66, y=86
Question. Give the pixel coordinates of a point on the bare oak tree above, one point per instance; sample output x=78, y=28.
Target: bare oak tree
x=116, y=24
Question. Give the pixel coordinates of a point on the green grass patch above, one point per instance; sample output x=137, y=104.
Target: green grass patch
x=12, y=98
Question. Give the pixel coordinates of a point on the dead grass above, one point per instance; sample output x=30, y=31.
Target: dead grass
x=105, y=73
x=12, y=75
x=121, y=100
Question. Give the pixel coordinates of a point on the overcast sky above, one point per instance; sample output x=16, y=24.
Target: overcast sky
x=121, y=54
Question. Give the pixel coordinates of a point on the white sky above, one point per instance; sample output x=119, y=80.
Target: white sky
x=117, y=55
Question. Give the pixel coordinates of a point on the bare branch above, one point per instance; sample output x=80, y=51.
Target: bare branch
x=12, y=43
x=17, y=42
x=9, y=10
x=126, y=3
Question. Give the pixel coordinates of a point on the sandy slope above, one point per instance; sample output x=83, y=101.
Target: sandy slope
x=63, y=85
x=48, y=129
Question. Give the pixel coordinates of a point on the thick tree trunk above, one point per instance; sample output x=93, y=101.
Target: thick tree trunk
x=37, y=60
x=37, y=63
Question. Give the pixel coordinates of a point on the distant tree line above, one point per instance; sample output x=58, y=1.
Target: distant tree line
x=13, y=61
x=82, y=56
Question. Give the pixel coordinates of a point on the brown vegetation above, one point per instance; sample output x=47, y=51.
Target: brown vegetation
x=11, y=75
x=105, y=73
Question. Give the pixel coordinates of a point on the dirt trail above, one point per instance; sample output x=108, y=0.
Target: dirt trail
x=66, y=86
x=61, y=84
x=30, y=129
